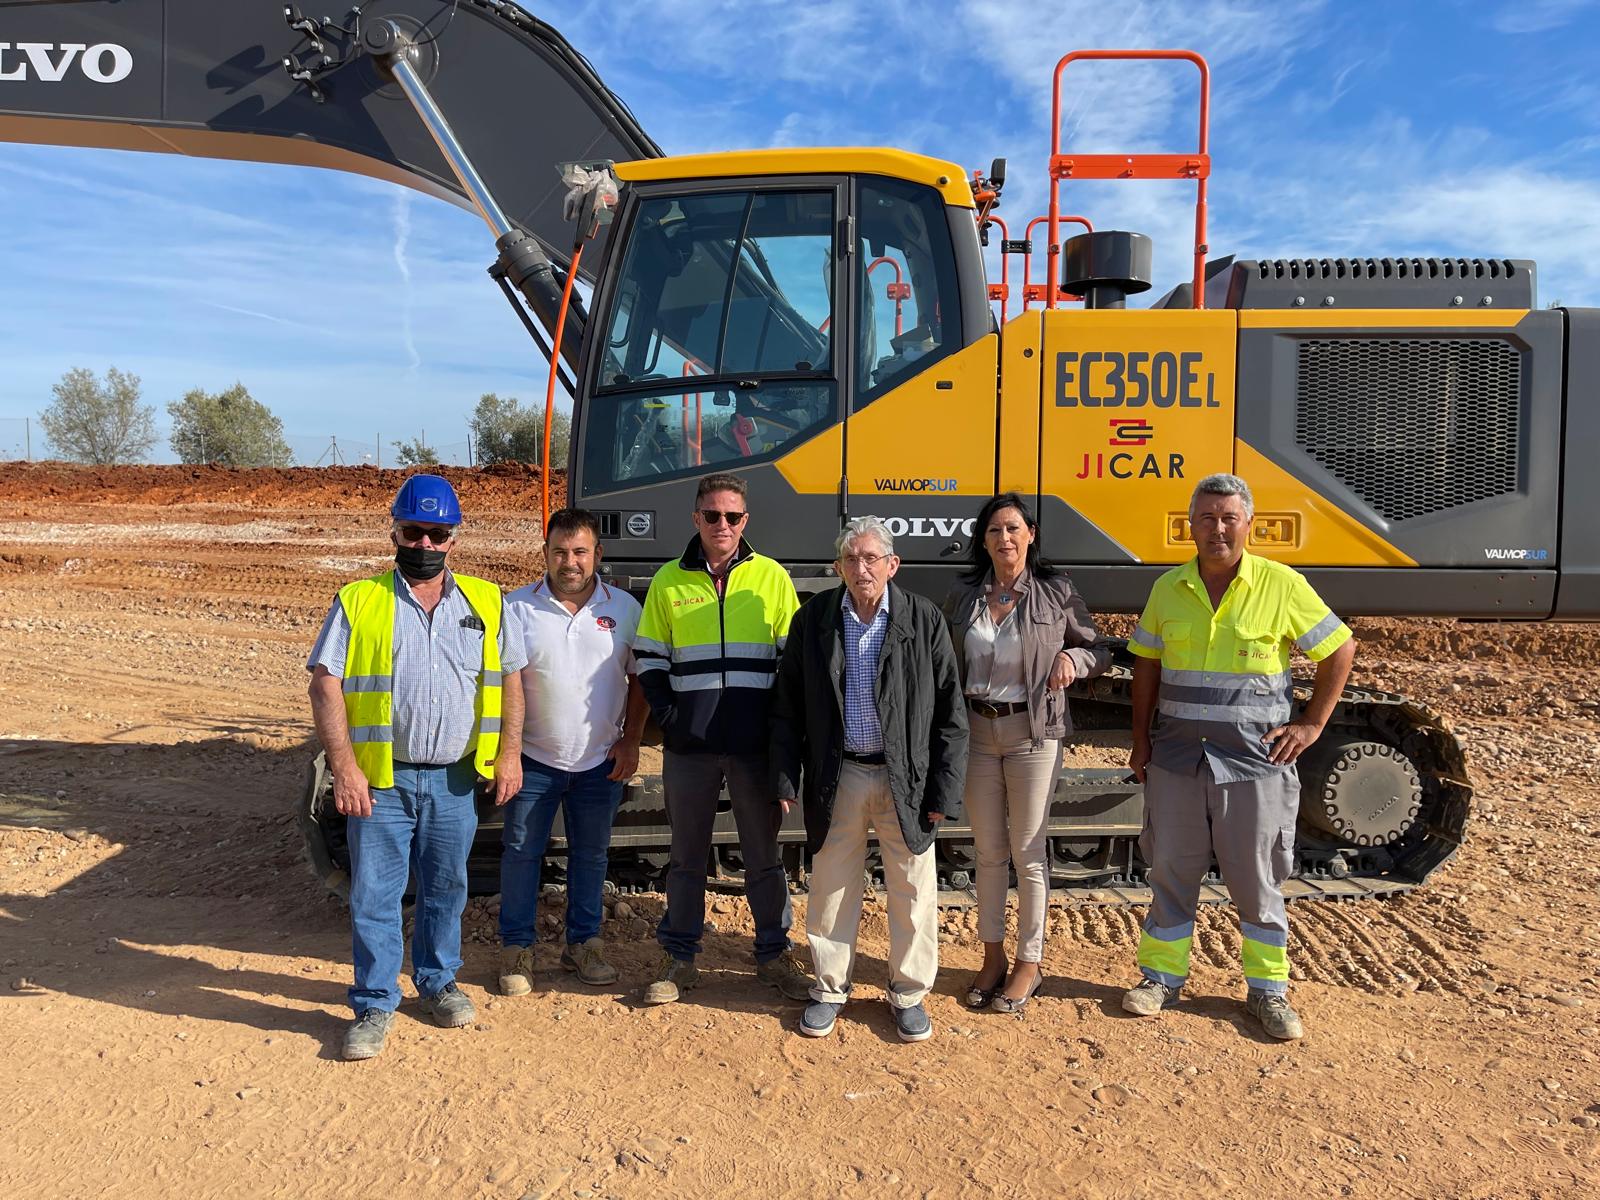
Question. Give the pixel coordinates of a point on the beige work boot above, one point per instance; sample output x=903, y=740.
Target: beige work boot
x=1148, y=997
x=589, y=961
x=516, y=970
x=787, y=975
x=1277, y=1018
x=673, y=978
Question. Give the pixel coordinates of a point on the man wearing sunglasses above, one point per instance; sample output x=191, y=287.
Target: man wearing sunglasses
x=713, y=625
x=416, y=692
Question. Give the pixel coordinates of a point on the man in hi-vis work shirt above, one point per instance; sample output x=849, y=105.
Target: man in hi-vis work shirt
x=580, y=743
x=1212, y=669
x=414, y=679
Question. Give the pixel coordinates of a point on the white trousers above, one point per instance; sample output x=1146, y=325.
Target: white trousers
x=833, y=910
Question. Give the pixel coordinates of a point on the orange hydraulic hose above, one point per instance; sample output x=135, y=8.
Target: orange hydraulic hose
x=550, y=387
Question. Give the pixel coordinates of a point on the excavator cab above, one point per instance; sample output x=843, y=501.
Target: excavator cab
x=753, y=311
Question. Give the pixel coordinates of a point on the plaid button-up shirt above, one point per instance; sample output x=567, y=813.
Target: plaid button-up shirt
x=862, y=642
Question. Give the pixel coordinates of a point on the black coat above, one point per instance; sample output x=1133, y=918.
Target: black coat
x=919, y=707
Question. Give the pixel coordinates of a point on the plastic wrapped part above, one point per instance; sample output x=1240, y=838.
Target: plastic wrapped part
x=591, y=198
x=1106, y=267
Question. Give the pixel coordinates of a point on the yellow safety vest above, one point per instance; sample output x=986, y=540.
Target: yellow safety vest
x=369, y=604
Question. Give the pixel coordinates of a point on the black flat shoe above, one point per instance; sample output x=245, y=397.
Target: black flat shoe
x=978, y=997
x=1007, y=1005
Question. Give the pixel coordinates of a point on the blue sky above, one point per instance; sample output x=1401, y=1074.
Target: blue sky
x=355, y=309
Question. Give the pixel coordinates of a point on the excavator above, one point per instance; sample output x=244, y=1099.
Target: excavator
x=821, y=321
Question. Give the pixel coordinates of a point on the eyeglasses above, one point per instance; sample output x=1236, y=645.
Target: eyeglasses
x=864, y=560
x=714, y=516
x=436, y=535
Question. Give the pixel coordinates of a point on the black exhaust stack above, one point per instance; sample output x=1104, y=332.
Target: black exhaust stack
x=1106, y=267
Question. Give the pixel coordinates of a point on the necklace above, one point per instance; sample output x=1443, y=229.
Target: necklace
x=1005, y=597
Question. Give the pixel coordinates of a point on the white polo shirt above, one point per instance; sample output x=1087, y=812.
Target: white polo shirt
x=576, y=680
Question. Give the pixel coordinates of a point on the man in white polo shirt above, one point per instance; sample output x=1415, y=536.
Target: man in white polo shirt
x=580, y=742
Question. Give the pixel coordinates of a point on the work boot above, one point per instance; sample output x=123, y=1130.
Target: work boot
x=1277, y=1018
x=449, y=1007
x=1148, y=997
x=589, y=961
x=366, y=1034
x=673, y=978
x=516, y=970
x=787, y=975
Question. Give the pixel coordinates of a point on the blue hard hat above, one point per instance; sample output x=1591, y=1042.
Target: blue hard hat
x=427, y=498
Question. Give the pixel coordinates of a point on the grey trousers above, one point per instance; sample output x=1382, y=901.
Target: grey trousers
x=1250, y=827
x=1009, y=785
x=692, y=783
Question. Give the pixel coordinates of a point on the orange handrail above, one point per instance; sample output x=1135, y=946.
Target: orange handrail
x=1049, y=288
x=1002, y=293
x=898, y=291
x=1195, y=166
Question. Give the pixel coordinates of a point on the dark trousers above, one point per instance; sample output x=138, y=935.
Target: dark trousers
x=692, y=783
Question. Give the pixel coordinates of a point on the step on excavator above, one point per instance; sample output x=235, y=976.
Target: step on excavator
x=820, y=321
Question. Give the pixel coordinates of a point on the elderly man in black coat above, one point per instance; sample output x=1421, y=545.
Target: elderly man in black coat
x=868, y=710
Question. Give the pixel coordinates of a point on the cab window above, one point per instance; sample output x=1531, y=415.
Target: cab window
x=906, y=277
x=718, y=347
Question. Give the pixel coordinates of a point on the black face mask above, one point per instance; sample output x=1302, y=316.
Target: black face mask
x=418, y=563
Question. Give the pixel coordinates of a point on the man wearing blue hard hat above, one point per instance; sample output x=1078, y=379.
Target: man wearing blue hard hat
x=416, y=693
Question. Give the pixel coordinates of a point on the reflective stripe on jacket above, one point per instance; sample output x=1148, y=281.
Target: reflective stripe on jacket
x=706, y=659
x=369, y=606
x=1225, y=672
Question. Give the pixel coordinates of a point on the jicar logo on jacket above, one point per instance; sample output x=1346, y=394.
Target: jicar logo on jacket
x=49, y=62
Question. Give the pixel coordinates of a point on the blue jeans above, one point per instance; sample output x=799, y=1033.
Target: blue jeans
x=588, y=803
x=422, y=826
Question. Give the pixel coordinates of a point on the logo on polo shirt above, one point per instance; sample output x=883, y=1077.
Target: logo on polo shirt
x=607, y=623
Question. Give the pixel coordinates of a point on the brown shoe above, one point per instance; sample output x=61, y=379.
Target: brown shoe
x=516, y=970
x=589, y=961
x=787, y=975
x=673, y=978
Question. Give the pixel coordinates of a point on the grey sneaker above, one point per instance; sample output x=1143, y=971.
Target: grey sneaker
x=912, y=1023
x=787, y=975
x=365, y=1037
x=1148, y=997
x=1277, y=1018
x=589, y=961
x=673, y=978
x=449, y=1007
x=516, y=970
x=817, y=1020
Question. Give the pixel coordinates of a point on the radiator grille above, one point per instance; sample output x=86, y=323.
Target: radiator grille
x=1412, y=425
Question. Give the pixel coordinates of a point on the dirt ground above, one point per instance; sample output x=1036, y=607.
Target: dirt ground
x=172, y=977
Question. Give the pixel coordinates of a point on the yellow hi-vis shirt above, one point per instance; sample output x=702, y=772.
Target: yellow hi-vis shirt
x=1225, y=672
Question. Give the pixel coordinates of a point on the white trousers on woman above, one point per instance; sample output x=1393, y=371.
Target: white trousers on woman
x=1009, y=785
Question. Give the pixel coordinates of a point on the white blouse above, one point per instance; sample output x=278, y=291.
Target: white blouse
x=994, y=659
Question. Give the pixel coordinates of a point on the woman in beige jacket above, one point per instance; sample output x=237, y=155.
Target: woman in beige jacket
x=1022, y=633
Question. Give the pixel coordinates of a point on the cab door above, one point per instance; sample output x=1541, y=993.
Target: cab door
x=921, y=389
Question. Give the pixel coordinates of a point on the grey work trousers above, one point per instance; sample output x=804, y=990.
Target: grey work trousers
x=1009, y=786
x=693, y=783
x=1250, y=827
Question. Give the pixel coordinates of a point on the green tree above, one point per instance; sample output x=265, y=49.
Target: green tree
x=230, y=429
x=503, y=431
x=415, y=454
x=102, y=423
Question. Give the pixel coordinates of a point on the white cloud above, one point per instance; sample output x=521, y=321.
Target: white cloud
x=1537, y=16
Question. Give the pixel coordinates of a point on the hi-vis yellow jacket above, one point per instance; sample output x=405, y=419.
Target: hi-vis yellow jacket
x=708, y=659
x=369, y=604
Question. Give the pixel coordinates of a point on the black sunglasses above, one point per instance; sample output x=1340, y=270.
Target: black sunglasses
x=436, y=535
x=714, y=516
